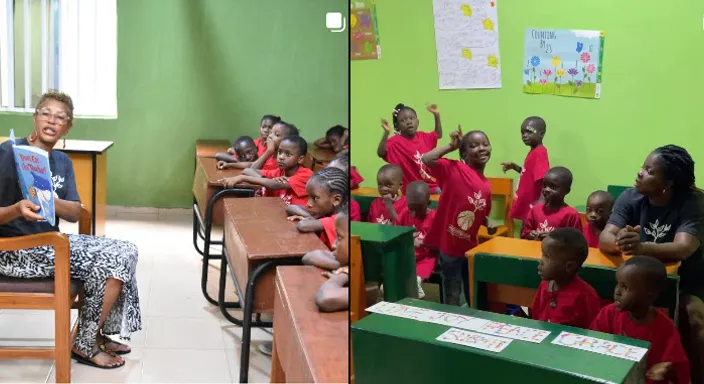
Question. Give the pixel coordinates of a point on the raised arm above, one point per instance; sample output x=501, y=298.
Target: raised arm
x=433, y=108
x=381, y=150
x=431, y=158
x=322, y=143
x=343, y=141
x=270, y=151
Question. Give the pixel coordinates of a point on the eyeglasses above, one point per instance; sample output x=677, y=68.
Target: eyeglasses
x=46, y=115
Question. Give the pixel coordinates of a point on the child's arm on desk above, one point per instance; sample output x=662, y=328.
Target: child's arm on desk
x=226, y=157
x=237, y=165
x=333, y=295
x=264, y=182
x=322, y=143
x=322, y=259
x=252, y=172
x=296, y=210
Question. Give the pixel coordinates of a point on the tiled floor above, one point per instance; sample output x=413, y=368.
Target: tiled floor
x=184, y=338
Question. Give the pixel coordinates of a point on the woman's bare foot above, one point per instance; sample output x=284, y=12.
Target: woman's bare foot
x=103, y=359
x=108, y=345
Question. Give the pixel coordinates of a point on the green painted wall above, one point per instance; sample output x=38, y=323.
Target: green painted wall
x=209, y=69
x=651, y=87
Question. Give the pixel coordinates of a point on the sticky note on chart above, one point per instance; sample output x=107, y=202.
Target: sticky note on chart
x=604, y=347
x=474, y=340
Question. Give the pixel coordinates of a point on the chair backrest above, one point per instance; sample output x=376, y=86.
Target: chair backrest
x=358, y=292
x=503, y=186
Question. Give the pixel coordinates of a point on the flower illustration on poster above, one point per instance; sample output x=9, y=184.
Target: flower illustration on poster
x=563, y=62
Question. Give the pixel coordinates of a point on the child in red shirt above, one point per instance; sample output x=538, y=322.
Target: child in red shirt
x=534, y=167
x=355, y=179
x=554, y=213
x=599, y=206
x=563, y=297
x=407, y=147
x=418, y=215
x=244, y=154
x=288, y=181
x=327, y=196
x=265, y=126
x=342, y=162
x=336, y=138
x=384, y=210
x=279, y=131
x=639, y=281
x=464, y=205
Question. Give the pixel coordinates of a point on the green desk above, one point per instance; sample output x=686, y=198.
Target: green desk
x=389, y=257
x=365, y=201
x=390, y=349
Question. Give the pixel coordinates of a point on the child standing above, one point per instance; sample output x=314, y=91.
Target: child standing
x=328, y=193
x=464, y=206
x=418, y=215
x=407, y=147
x=599, y=206
x=384, y=210
x=534, y=167
x=639, y=281
x=288, y=181
x=554, y=212
x=336, y=139
x=563, y=297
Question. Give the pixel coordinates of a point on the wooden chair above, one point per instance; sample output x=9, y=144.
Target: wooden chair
x=358, y=292
x=500, y=186
x=60, y=294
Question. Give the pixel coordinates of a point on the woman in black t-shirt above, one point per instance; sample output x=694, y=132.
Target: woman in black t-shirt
x=106, y=266
x=663, y=217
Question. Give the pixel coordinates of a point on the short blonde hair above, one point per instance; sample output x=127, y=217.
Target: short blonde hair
x=59, y=96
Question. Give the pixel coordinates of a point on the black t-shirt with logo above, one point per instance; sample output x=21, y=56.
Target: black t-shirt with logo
x=659, y=224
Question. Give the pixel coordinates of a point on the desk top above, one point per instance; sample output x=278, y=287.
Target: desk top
x=321, y=338
x=262, y=225
x=208, y=148
x=208, y=165
x=544, y=355
x=530, y=249
x=78, y=146
x=378, y=233
x=320, y=154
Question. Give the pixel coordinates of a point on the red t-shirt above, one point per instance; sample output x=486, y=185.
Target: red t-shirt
x=355, y=178
x=544, y=219
x=426, y=257
x=355, y=211
x=261, y=146
x=576, y=304
x=296, y=192
x=529, y=185
x=328, y=235
x=661, y=333
x=407, y=154
x=378, y=214
x=271, y=164
x=464, y=203
x=592, y=235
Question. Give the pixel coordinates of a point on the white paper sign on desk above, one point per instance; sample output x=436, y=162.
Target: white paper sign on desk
x=400, y=310
x=604, y=347
x=513, y=331
x=474, y=340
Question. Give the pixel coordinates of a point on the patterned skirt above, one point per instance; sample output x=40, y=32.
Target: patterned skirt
x=93, y=261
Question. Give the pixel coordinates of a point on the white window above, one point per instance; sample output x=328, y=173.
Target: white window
x=69, y=45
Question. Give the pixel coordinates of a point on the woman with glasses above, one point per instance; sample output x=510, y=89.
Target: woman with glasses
x=106, y=266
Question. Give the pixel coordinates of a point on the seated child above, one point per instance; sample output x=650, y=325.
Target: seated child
x=333, y=295
x=342, y=161
x=639, y=281
x=599, y=206
x=288, y=181
x=418, y=215
x=336, y=139
x=327, y=196
x=554, y=212
x=245, y=153
x=279, y=131
x=385, y=209
x=265, y=126
x=563, y=297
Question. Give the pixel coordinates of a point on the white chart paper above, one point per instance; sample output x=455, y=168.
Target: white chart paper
x=474, y=340
x=604, y=347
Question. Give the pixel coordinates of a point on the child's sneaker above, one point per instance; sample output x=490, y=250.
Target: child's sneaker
x=421, y=293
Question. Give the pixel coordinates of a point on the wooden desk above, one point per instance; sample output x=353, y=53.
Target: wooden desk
x=208, y=148
x=258, y=237
x=309, y=346
x=321, y=156
x=389, y=257
x=504, y=270
x=206, y=184
x=389, y=349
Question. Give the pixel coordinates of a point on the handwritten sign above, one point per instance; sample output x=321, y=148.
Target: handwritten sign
x=514, y=332
x=474, y=340
x=604, y=347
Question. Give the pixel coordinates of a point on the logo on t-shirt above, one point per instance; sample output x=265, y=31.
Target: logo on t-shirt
x=286, y=198
x=58, y=181
x=657, y=231
x=465, y=219
x=382, y=220
x=421, y=167
x=544, y=227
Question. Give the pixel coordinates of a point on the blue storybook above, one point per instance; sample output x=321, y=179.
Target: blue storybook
x=34, y=174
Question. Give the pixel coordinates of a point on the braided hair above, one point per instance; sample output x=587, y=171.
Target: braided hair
x=399, y=107
x=678, y=167
x=335, y=181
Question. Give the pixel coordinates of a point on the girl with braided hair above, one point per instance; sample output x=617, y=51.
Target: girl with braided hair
x=408, y=146
x=663, y=217
x=342, y=162
x=328, y=195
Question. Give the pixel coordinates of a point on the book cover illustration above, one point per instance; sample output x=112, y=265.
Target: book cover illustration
x=34, y=174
